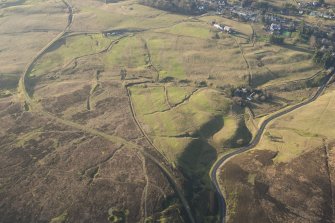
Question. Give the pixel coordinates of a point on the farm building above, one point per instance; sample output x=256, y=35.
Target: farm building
x=275, y=27
x=218, y=27
x=225, y=28
x=228, y=29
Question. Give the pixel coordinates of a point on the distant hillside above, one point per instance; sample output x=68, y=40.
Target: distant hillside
x=180, y=6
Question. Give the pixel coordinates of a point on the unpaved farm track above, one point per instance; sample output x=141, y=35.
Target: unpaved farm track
x=22, y=84
x=222, y=160
x=31, y=105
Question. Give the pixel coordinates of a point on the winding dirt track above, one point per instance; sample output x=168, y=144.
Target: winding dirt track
x=22, y=85
x=222, y=160
x=31, y=105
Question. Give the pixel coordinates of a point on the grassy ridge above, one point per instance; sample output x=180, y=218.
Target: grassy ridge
x=181, y=134
x=177, y=94
x=129, y=53
x=152, y=96
x=177, y=126
x=194, y=58
x=68, y=50
x=124, y=15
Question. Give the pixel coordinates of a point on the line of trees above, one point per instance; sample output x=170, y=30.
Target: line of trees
x=180, y=6
x=276, y=39
x=325, y=59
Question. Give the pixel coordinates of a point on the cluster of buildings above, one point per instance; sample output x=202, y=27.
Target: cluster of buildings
x=278, y=24
x=309, y=4
x=209, y=5
x=311, y=8
x=253, y=13
x=244, y=93
x=322, y=15
x=246, y=15
x=276, y=21
x=249, y=95
x=327, y=44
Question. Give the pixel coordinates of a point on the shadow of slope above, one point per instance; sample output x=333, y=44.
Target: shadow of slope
x=242, y=137
x=296, y=48
x=195, y=163
x=211, y=127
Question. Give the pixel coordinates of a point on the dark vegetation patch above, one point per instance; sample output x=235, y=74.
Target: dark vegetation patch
x=259, y=189
x=265, y=157
x=9, y=81
x=195, y=162
x=179, y=6
x=52, y=172
x=59, y=104
x=115, y=108
x=233, y=170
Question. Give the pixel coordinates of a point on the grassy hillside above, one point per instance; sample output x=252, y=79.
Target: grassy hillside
x=181, y=124
x=70, y=49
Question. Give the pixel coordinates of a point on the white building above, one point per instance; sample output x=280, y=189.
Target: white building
x=275, y=27
x=218, y=27
x=228, y=29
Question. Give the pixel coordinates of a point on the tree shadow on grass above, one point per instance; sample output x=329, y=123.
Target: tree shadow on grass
x=296, y=48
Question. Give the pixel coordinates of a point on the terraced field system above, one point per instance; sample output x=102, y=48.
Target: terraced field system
x=159, y=85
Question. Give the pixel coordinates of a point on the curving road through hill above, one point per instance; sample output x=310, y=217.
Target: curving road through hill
x=222, y=160
x=30, y=66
